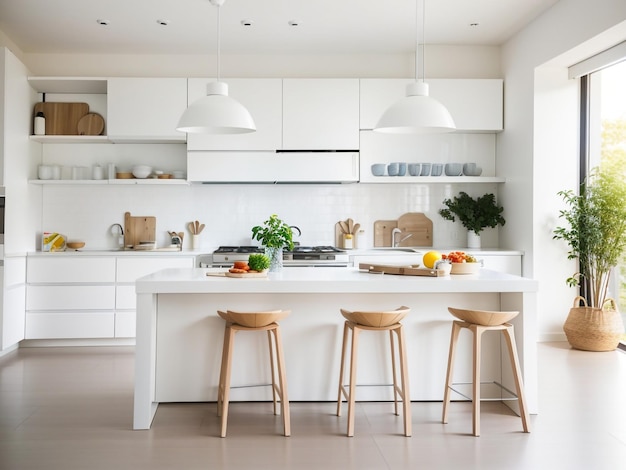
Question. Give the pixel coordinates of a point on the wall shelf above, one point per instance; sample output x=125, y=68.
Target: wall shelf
x=115, y=182
x=70, y=139
x=433, y=179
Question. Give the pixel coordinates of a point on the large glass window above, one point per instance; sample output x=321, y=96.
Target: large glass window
x=607, y=139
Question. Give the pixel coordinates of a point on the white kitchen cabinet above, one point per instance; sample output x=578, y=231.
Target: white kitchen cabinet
x=129, y=268
x=262, y=97
x=272, y=167
x=320, y=114
x=12, y=301
x=83, y=297
x=74, y=325
x=59, y=268
x=476, y=105
x=145, y=109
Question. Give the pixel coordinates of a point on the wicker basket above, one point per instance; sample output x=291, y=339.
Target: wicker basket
x=592, y=328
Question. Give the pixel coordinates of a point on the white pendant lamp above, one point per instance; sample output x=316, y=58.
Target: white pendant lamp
x=216, y=113
x=417, y=113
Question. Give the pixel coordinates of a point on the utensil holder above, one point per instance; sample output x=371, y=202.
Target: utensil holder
x=195, y=241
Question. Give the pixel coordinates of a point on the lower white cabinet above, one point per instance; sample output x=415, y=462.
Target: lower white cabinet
x=84, y=297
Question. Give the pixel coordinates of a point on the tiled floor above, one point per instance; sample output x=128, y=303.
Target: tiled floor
x=71, y=408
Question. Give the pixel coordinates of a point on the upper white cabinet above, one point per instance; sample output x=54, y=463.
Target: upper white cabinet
x=320, y=114
x=476, y=105
x=146, y=109
x=262, y=97
x=273, y=167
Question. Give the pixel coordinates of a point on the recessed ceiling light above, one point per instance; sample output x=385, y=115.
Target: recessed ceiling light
x=104, y=22
x=163, y=22
x=473, y=25
x=294, y=23
x=246, y=22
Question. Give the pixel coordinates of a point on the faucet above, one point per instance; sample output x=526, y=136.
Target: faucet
x=395, y=232
x=119, y=233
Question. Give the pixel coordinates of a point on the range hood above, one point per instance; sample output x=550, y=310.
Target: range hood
x=273, y=166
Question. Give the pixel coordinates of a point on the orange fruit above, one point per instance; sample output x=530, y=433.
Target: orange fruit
x=430, y=258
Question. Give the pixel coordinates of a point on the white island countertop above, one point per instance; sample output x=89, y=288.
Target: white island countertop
x=177, y=323
x=327, y=280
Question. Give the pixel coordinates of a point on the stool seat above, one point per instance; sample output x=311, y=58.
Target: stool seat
x=254, y=321
x=477, y=330
x=375, y=321
x=482, y=317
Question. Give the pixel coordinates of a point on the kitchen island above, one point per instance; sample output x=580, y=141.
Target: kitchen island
x=179, y=334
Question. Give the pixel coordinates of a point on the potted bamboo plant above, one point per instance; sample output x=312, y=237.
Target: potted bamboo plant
x=596, y=235
x=475, y=214
x=274, y=235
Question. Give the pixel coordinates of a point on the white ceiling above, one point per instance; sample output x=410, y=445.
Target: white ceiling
x=326, y=26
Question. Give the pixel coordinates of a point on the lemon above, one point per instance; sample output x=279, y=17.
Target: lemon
x=430, y=258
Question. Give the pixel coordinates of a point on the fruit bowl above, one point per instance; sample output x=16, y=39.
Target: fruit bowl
x=75, y=245
x=465, y=268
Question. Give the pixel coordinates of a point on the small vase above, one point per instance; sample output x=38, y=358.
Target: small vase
x=276, y=258
x=195, y=242
x=473, y=240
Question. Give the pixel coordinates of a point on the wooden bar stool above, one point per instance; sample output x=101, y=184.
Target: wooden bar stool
x=254, y=321
x=375, y=321
x=479, y=321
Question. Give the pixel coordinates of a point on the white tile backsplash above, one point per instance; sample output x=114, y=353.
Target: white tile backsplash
x=87, y=212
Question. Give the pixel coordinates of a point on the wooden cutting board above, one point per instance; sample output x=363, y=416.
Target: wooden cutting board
x=138, y=229
x=382, y=232
x=91, y=124
x=62, y=118
x=418, y=226
x=400, y=270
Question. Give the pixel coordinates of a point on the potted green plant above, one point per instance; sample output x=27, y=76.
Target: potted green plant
x=475, y=214
x=274, y=235
x=596, y=236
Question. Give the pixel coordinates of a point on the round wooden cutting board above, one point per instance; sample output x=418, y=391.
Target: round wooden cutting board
x=91, y=124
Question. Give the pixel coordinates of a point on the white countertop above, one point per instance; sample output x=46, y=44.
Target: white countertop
x=327, y=280
x=103, y=252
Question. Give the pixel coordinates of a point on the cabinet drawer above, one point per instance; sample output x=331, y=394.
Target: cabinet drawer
x=70, y=298
x=125, y=297
x=68, y=269
x=69, y=325
x=125, y=324
x=129, y=269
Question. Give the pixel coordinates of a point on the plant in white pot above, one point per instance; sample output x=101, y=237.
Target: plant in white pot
x=596, y=235
x=475, y=214
x=274, y=235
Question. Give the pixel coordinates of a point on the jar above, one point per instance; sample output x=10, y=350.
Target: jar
x=39, y=127
x=348, y=241
x=44, y=172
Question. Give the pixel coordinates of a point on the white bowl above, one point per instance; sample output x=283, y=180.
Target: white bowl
x=142, y=171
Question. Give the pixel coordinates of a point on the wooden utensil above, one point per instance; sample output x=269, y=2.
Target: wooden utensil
x=344, y=226
x=200, y=229
x=192, y=228
x=355, y=229
x=350, y=226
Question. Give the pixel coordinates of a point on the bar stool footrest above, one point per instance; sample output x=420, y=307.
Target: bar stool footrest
x=492, y=386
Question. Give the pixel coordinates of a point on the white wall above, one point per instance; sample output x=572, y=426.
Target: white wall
x=538, y=149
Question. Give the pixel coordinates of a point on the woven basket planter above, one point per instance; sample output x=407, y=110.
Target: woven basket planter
x=594, y=329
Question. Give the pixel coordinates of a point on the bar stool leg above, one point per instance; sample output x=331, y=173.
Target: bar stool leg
x=220, y=387
x=353, y=365
x=406, y=395
x=271, y=347
x=282, y=380
x=226, y=386
x=519, y=385
x=341, y=391
x=454, y=337
x=393, y=371
x=478, y=333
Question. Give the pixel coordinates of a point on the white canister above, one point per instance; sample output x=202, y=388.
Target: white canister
x=56, y=172
x=44, y=172
x=39, y=127
x=111, y=171
x=97, y=172
x=76, y=173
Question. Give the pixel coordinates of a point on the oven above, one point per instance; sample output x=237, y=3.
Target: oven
x=300, y=256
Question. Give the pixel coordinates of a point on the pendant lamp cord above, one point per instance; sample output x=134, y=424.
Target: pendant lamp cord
x=417, y=40
x=218, y=42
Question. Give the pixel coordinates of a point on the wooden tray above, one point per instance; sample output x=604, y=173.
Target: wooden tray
x=139, y=229
x=400, y=270
x=238, y=275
